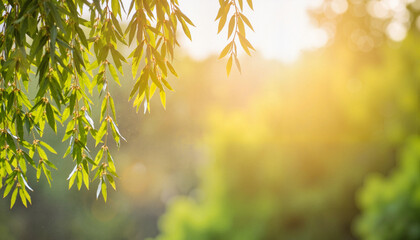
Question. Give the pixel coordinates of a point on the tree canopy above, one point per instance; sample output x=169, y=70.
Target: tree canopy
x=53, y=59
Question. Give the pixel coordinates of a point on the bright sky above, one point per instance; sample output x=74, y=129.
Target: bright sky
x=282, y=28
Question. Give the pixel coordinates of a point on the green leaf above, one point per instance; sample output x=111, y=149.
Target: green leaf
x=115, y=4
x=38, y=172
x=48, y=147
x=98, y=157
x=114, y=74
x=103, y=108
x=22, y=197
x=79, y=179
x=101, y=132
x=28, y=197
x=47, y=174
x=50, y=164
x=50, y=117
x=111, y=181
x=89, y=119
x=85, y=178
x=8, y=188
x=111, y=104
x=103, y=188
x=13, y=199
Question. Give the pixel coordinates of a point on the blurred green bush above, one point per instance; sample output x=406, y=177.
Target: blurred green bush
x=391, y=205
x=288, y=165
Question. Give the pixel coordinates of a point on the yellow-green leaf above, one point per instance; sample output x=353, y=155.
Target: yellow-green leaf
x=103, y=188
x=13, y=199
x=229, y=65
x=226, y=50
x=171, y=69
x=163, y=98
x=22, y=197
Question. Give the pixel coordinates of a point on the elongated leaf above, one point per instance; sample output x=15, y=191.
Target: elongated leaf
x=50, y=117
x=186, y=29
x=231, y=25
x=250, y=4
x=226, y=50
x=229, y=65
x=221, y=23
x=247, y=22
x=171, y=69
x=118, y=131
x=48, y=147
x=163, y=98
x=7, y=189
x=111, y=181
x=103, y=188
x=22, y=197
x=13, y=199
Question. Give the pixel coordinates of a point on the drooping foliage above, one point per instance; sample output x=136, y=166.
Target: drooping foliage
x=54, y=55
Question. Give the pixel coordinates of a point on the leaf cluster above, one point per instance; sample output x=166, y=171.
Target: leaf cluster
x=236, y=30
x=47, y=44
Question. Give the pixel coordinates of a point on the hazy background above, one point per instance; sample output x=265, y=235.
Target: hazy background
x=316, y=139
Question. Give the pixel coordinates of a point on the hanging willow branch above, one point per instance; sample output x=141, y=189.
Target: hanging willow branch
x=47, y=41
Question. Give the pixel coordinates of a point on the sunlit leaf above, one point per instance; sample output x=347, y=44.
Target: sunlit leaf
x=229, y=65
x=13, y=199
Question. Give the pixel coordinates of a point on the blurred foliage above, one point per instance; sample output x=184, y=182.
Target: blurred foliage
x=365, y=25
x=391, y=205
x=281, y=152
x=157, y=162
x=288, y=165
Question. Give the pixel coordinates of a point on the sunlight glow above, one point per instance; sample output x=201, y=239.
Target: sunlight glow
x=282, y=28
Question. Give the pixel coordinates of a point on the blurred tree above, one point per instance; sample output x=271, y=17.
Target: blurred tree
x=47, y=40
x=364, y=25
x=391, y=205
x=289, y=166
